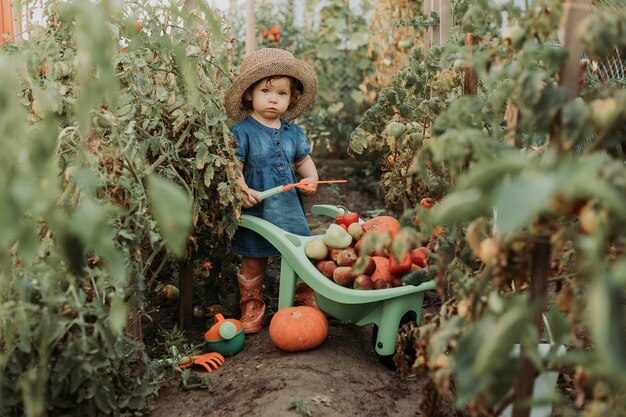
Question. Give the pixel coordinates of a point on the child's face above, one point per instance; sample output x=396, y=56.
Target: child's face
x=270, y=97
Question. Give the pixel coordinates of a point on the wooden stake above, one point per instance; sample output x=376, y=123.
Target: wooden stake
x=539, y=286
x=511, y=116
x=436, y=34
x=185, y=286
x=250, y=28
x=569, y=76
x=428, y=36
x=470, y=81
x=10, y=23
x=445, y=20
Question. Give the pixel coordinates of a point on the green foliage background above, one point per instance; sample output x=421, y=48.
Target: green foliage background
x=551, y=186
x=334, y=41
x=116, y=163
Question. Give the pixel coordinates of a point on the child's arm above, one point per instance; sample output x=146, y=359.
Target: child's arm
x=249, y=197
x=307, y=170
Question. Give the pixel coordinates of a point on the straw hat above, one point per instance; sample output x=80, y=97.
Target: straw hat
x=266, y=63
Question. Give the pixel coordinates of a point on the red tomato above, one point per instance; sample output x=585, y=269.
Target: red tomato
x=427, y=202
x=419, y=256
x=347, y=219
x=402, y=267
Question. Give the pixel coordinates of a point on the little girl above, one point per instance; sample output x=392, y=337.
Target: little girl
x=272, y=88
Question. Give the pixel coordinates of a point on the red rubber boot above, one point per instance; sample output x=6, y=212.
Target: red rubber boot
x=251, y=303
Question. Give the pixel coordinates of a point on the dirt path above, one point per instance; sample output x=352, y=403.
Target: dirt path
x=342, y=377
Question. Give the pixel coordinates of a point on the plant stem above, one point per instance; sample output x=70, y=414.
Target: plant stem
x=539, y=287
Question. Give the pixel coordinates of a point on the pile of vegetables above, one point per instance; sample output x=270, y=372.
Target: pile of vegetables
x=368, y=255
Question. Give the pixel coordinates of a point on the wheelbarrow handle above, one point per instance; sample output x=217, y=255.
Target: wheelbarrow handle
x=302, y=184
x=271, y=192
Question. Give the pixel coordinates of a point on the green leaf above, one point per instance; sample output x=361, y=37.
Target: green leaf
x=489, y=174
x=171, y=207
x=503, y=334
x=468, y=386
x=459, y=206
x=519, y=201
x=161, y=93
x=118, y=314
x=574, y=116
x=208, y=175
x=558, y=325
x=606, y=322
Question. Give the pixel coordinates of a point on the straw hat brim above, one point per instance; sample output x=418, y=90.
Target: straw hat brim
x=293, y=67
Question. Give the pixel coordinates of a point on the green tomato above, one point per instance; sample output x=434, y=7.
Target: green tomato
x=396, y=129
x=603, y=113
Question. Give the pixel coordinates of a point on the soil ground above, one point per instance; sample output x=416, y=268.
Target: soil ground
x=342, y=377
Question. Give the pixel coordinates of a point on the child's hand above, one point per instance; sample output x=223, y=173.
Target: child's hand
x=308, y=193
x=250, y=197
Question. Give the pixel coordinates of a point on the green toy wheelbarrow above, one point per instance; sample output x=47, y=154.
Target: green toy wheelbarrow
x=385, y=308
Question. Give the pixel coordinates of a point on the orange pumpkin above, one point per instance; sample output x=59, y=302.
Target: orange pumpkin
x=383, y=270
x=293, y=329
x=381, y=224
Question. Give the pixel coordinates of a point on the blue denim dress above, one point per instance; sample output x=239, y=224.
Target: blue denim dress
x=268, y=155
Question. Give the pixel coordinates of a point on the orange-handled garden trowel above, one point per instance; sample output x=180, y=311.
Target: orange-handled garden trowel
x=304, y=185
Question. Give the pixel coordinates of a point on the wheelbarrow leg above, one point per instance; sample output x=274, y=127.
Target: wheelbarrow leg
x=388, y=328
x=390, y=319
x=287, y=286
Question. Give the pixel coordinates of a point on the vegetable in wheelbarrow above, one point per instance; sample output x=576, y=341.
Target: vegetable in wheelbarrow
x=337, y=237
x=316, y=249
x=419, y=276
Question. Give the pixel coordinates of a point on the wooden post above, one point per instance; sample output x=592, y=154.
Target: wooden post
x=525, y=385
x=570, y=73
x=445, y=20
x=511, y=116
x=10, y=24
x=185, y=299
x=436, y=6
x=250, y=28
x=470, y=77
x=428, y=37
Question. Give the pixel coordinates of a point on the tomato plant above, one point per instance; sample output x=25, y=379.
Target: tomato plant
x=116, y=163
x=517, y=239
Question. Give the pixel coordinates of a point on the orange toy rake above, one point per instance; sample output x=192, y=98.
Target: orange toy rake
x=303, y=185
x=208, y=361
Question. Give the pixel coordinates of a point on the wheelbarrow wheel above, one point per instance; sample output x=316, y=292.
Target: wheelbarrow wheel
x=388, y=360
